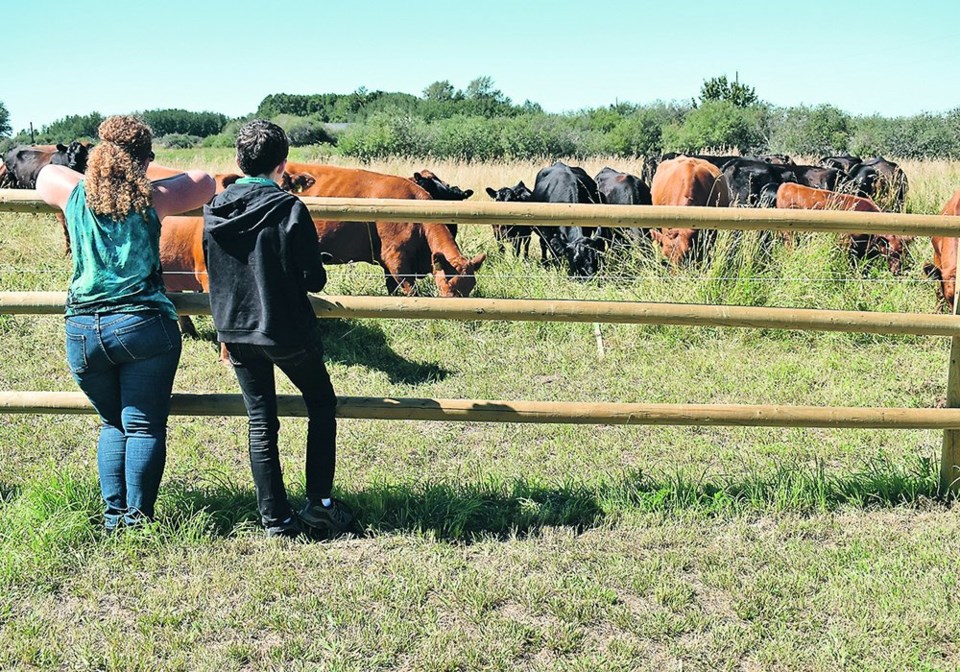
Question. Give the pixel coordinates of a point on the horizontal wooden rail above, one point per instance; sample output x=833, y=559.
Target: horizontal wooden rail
x=542, y=310
x=563, y=214
x=481, y=410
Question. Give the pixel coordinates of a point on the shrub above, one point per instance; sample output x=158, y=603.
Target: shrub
x=815, y=131
x=718, y=123
x=178, y=141
x=303, y=130
x=385, y=135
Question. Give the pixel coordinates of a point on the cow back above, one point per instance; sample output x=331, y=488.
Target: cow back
x=689, y=182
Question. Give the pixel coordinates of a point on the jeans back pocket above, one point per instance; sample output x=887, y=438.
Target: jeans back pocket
x=76, y=352
x=145, y=338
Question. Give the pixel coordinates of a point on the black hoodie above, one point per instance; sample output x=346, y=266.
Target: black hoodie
x=262, y=258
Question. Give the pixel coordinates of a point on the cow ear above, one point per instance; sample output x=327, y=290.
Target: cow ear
x=439, y=261
x=467, y=194
x=491, y=193
x=417, y=177
x=61, y=147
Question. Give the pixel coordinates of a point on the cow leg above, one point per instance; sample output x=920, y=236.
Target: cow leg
x=187, y=327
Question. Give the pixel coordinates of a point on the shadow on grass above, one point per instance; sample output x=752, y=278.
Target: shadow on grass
x=217, y=506
x=355, y=342
x=361, y=342
x=520, y=507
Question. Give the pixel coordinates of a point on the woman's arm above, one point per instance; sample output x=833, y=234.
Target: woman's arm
x=55, y=184
x=182, y=193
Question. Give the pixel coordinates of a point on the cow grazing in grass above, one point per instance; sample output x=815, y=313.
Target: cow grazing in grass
x=686, y=181
x=944, y=266
x=405, y=251
x=861, y=245
x=580, y=247
x=518, y=235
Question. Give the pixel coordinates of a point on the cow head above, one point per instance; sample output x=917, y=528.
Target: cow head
x=583, y=255
x=457, y=276
x=438, y=189
x=888, y=246
x=296, y=182
x=864, y=181
x=675, y=244
x=518, y=193
x=73, y=156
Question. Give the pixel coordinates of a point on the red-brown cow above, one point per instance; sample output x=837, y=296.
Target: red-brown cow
x=405, y=251
x=688, y=182
x=861, y=245
x=944, y=266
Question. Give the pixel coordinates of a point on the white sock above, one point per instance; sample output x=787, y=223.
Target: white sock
x=327, y=502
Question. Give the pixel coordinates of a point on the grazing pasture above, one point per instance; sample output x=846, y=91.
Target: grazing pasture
x=510, y=547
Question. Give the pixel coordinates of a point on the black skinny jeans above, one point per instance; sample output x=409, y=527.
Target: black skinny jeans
x=304, y=366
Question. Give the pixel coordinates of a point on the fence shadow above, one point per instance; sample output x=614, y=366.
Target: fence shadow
x=356, y=342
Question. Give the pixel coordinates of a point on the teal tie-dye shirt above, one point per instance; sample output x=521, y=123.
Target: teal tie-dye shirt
x=116, y=263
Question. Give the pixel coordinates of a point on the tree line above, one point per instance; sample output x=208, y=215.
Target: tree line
x=480, y=123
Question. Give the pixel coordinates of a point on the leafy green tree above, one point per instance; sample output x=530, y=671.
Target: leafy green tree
x=70, y=128
x=439, y=91
x=811, y=131
x=718, y=124
x=184, y=122
x=5, y=128
x=718, y=88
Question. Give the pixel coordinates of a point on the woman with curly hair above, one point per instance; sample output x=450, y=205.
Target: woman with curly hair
x=122, y=341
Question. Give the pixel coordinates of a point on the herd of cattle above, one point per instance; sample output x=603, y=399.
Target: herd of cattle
x=407, y=251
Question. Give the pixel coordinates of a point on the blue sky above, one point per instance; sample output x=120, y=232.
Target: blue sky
x=884, y=56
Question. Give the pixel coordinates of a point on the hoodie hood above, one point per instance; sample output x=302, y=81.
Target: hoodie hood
x=244, y=209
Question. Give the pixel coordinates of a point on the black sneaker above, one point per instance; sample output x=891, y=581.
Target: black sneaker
x=288, y=529
x=334, y=518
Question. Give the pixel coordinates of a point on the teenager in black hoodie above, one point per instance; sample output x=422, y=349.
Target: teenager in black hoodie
x=262, y=259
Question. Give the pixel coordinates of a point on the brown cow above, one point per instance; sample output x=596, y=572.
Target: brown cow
x=689, y=182
x=944, y=266
x=405, y=251
x=861, y=245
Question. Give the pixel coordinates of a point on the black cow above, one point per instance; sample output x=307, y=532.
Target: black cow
x=517, y=234
x=23, y=163
x=818, y=177
x=581, y=247
x=441, y=191
x=754, y=183
x=624, y=189
x=842, y=163
x=880, y=180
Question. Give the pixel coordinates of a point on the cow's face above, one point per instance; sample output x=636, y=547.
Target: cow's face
x=519, y=193
x=456, y=277
x=296, y=182
x=891, y=248
x=583, y=255
x=675, y=244
x=865, y=181
x=77, y=154
x=439, y=189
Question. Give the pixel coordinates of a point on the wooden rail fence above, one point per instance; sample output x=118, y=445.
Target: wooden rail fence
x=539, y=214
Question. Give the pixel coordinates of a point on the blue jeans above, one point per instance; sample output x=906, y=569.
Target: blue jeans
x=125, y=364
x=304, y=366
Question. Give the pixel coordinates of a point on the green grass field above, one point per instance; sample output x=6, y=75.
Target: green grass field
x=508, y=547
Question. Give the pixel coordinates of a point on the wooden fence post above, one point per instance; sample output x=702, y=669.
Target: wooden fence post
x=950, y=451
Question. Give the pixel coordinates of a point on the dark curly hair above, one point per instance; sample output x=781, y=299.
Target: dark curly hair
x=116, y=178
x=261, y=147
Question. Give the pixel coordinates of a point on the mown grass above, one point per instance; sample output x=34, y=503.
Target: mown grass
x=513, y=547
